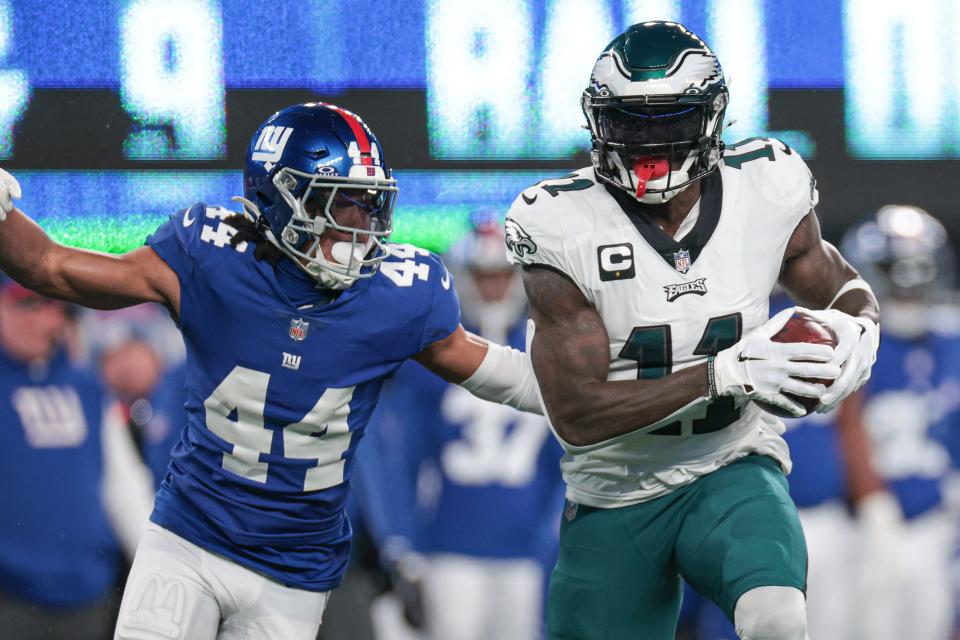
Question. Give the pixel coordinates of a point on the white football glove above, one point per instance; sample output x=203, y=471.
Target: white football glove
x=857, y=342
x=9, y=190
x=758, y=368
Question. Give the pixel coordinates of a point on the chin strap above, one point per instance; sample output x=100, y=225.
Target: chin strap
x=647, y=169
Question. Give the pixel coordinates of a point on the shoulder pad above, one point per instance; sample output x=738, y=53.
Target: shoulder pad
x=776, y=172
x=541, y=215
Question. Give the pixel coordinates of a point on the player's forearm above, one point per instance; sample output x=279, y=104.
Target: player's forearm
x=859, y=303
x=25, y=251
x=862, y=476
x=88, y=278
x=588, y=413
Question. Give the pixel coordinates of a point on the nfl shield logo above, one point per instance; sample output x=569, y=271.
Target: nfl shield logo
x=681, y=260
x=298, y=329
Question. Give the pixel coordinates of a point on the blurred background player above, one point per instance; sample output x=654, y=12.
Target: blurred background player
x=908, y=409
x=140, y=355
x=485, y=478
x=75, y=494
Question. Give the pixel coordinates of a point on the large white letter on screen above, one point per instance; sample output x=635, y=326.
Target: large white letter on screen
x=900, y=86
x=478, y=69
x=575, y=34
x=635, y=11
x=736, y=31
x=172, y=78
x=14, y=88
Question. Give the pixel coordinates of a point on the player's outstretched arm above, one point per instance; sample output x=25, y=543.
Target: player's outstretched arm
x=488, y=370
x=816, y=275
x=88, y=278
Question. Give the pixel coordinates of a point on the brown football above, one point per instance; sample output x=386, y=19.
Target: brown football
x=802, y=328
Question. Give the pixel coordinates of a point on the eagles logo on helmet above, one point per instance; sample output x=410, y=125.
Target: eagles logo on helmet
x=303, y=164
x=654, y=107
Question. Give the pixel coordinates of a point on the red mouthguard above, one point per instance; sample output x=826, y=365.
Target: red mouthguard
x=647, y=169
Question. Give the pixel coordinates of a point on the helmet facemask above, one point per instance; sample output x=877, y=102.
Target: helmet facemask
x=653, y=147
x=316, y=202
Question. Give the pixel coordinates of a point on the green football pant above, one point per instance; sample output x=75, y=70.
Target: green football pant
x=618, y=575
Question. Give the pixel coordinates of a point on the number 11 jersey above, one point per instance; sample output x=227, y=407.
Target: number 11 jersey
x=668, y=304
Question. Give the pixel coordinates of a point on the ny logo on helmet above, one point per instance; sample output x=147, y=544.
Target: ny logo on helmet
x=270, y=145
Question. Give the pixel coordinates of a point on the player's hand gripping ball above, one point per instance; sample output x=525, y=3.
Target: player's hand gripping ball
x=802, y=328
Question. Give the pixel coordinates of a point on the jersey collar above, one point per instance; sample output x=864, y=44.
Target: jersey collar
x=711, y=199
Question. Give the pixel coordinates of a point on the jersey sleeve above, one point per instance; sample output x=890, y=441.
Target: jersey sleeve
x=444, y=314
x=780, y=176
x=534, y=234
x=176, y=240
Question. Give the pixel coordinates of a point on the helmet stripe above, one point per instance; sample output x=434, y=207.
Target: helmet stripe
x=363, y=142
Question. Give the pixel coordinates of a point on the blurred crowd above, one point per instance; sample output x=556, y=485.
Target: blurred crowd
x=457, y=501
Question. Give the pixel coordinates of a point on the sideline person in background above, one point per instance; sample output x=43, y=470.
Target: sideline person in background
x=75, y=493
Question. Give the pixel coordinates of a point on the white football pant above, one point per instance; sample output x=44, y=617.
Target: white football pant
x=178, y=591
x=831, y=571
x=916, y=604
x=467, y=598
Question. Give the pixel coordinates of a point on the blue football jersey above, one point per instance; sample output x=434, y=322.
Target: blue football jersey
x=819, y=470
x=909, y=403
x=485, y=477
x=277, y=396
x=56, y=545
x=162, y=430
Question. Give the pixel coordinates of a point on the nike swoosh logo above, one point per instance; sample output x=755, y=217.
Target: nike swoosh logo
x=528, y=200
x=742, y=358
x=445, y=280
x=187, y=221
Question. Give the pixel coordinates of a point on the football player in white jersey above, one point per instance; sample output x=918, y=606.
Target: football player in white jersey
x=648, y=275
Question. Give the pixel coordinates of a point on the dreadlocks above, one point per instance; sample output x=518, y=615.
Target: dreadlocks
x=252, y=231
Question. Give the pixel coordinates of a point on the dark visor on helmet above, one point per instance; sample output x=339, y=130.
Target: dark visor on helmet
x=376, y=203
x=635, y=125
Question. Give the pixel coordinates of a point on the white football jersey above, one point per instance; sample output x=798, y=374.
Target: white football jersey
x=668, y=304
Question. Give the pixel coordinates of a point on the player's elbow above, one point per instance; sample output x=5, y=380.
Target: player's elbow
x=574, y=427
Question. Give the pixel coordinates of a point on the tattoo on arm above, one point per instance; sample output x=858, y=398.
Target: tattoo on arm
x=571, y=357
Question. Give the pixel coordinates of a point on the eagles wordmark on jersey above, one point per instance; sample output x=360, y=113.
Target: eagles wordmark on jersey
x=669, y=303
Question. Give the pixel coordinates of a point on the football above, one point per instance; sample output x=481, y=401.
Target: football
x=802, y=328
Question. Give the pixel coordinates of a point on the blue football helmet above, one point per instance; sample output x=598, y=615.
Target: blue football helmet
x=903, y=252
x=306, y=164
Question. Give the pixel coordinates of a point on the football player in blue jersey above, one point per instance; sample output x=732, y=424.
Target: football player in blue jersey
x=293, y=313
x=487, y=513
x=906, y=409
x=75, y=493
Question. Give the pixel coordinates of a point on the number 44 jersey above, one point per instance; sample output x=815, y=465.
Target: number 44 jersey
x=669, y=303
x=277, y=396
